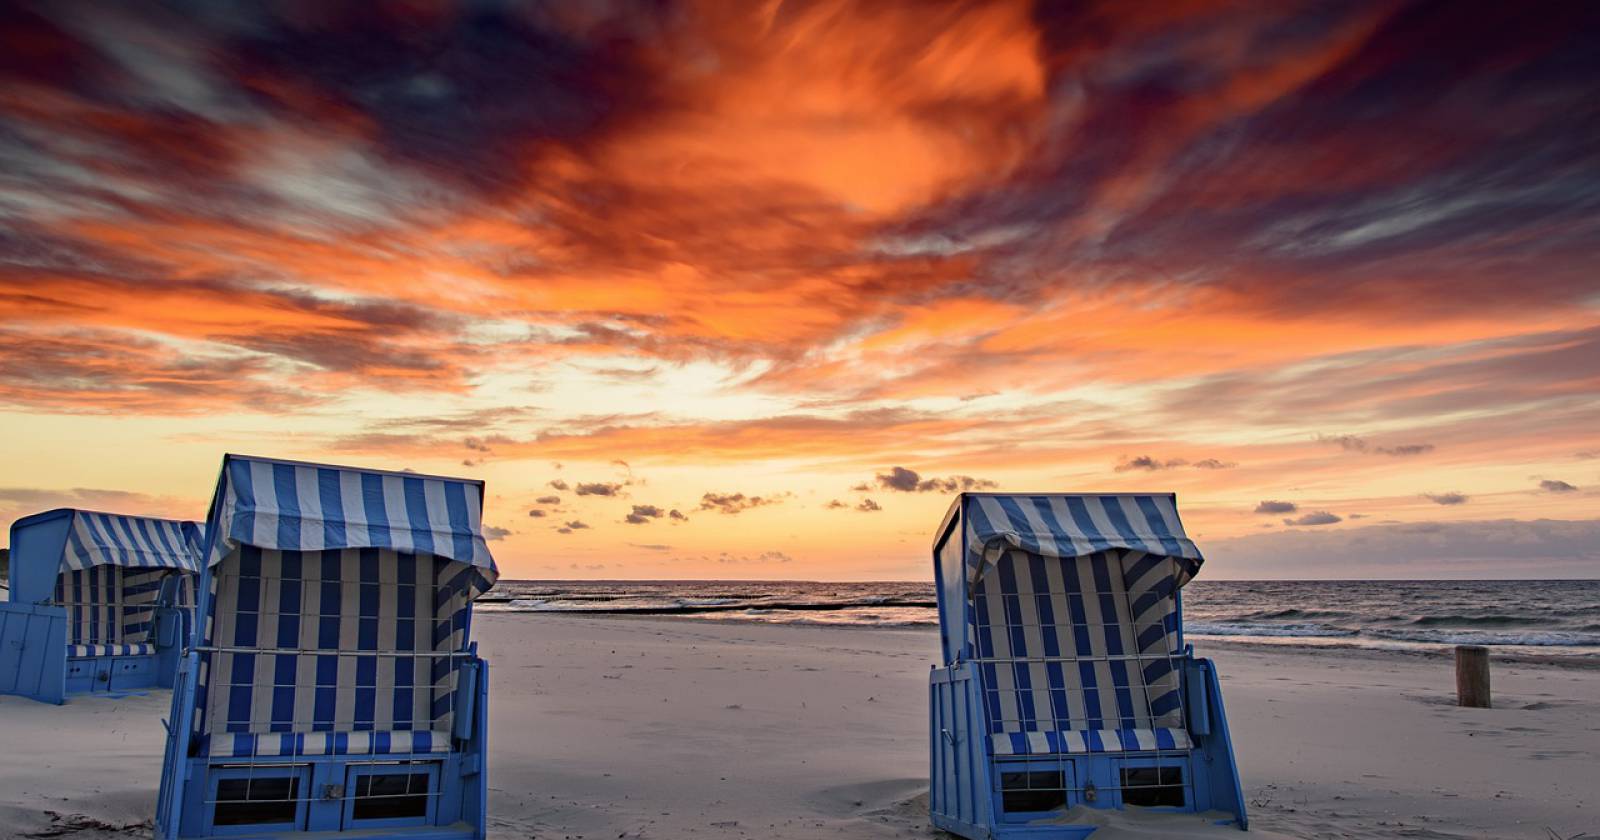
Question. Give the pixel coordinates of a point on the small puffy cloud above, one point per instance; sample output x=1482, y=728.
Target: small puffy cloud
x=1403, y=450
x=1551, y=485
x=536, y=513
x=1147, y=464
x=642, y=514
x=735, y=502
x=598, y=488
x=1318, y=517
x=764, y=557
x=1351, y=443
x=902, y=480
x=1451, y=498
x=569, y=527
x=835, y=504
x=559, y=484
x=548, y=500
x=1276, y=507
x=492, y=533
x=860, y=488
x=476, y=444
x=868, y=506
x=677, y=515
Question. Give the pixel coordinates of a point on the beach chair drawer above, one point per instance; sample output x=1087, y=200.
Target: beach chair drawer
x=132, y=672
x=88, y=675
x=391, y=795
x=250, y=800
x=80, y=675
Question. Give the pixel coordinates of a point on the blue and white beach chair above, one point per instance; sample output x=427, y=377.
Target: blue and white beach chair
x=333, y=684
x=96, y=603
x=1066, y=680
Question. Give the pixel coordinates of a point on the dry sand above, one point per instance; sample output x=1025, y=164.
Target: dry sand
x=672, y=728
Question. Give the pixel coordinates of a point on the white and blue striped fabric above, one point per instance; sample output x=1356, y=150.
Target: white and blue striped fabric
x=89, y=651
x=112, y=566
x=1071, y=660
x=1063, y=525
x=110, y=609
x=340, y=601
x=291, y=506
x=1074, y=621
x=97, y=539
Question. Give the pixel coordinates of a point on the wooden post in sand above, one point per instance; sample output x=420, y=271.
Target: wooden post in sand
x=1472, y=676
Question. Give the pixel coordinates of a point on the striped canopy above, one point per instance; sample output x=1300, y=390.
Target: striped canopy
x=292, y=506
x=1071, y=525
x=96, y=539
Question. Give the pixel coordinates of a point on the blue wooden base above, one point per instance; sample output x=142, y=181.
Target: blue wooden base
x=965, y=791
x=34, y=662
x=457, y=781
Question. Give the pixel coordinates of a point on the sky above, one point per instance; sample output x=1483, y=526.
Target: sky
x=749, y=290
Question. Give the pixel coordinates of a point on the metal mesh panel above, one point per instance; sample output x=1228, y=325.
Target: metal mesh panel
x=355, y=640
x=1076, y=656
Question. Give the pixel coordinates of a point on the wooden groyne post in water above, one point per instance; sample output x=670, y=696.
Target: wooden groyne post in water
x=1472, y=676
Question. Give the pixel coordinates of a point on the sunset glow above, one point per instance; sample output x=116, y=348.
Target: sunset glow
x=687, y=285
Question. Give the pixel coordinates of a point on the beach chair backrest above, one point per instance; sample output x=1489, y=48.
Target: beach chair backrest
x=1076, y=643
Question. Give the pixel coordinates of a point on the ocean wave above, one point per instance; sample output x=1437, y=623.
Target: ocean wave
x=1448, y=620
x=851, y=618
x=1224, y=628
x=1546, y=638
x=1278, y=614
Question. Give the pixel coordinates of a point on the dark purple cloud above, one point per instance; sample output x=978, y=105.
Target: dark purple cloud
x=1319, y=517
x=597, y=488
x=903, y=480
x=731, y=503
x=643, y=514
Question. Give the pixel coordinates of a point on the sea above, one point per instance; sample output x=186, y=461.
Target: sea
x=1550, y=619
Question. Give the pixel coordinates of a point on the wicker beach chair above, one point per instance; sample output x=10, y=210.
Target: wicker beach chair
x=333, y=684
x=96, y=603
x=1066, y=682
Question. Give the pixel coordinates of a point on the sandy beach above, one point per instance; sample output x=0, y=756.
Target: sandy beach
x=662, y=728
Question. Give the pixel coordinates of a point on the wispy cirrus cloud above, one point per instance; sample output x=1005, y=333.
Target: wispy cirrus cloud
x=1057, y=245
